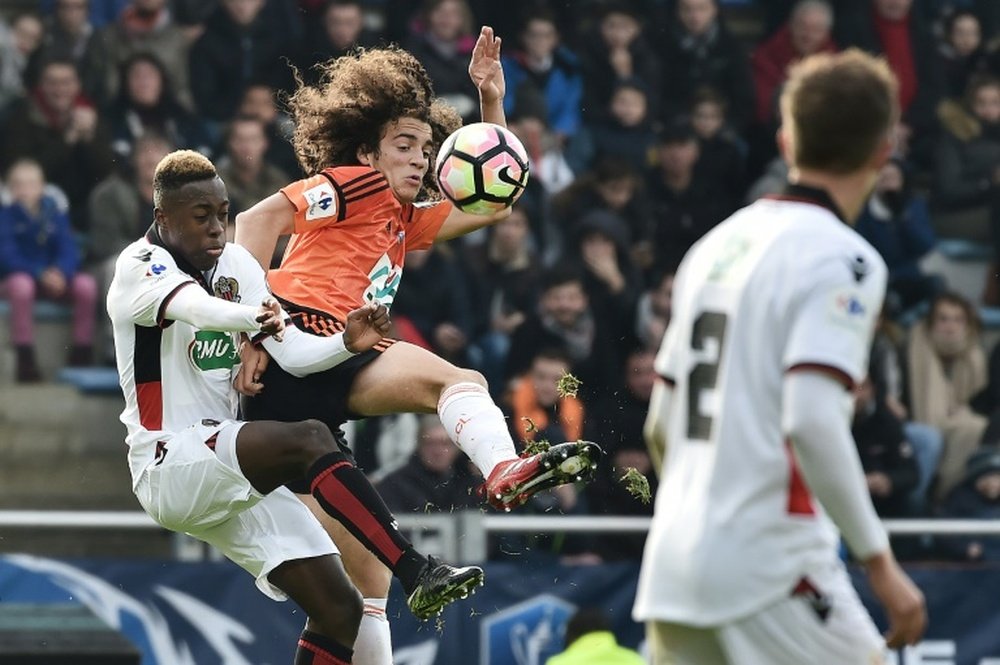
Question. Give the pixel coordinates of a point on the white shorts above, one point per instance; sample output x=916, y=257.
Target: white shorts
x=830, y=626
x=190, y=488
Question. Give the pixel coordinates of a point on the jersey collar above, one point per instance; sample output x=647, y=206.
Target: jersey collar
x=153, y=237
x=806, y=194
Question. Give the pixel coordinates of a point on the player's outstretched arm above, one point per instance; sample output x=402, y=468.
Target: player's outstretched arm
x=192, y=304
x=655, y=428
x=259, y=228
x=815, y=415
x=487, y=75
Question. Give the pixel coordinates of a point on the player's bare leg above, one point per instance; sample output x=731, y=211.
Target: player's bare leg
x=407, y=378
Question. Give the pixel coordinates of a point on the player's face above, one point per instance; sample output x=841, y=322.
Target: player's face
x=545, y=376
x=810, y=29
x=192, y=221
x=404, y=154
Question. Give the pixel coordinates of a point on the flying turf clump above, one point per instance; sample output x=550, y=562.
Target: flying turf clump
x=568, y=386
x=636, y=484
x=535, y=447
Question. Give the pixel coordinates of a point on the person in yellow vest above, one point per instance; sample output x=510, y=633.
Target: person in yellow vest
x=589, y=641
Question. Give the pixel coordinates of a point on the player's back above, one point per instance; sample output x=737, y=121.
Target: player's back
x=735, y=525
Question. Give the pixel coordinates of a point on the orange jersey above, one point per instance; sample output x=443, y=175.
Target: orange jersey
x=350, y=241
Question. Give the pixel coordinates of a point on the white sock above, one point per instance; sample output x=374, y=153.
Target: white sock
x=373, y=645
x=476, y=425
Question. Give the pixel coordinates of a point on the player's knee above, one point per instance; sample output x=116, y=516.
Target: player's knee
x=341, y=614
x=470, y=376
x=314, y=439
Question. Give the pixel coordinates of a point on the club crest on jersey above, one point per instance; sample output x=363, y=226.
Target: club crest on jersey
x=322, y=202
x=212, y=350
x=227, y=288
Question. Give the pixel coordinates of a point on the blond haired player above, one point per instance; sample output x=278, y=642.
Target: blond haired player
x=773, y=316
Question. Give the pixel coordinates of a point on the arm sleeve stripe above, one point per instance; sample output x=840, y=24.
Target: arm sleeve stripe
x=161, y=312
x=370, y=174
x=368, y=181
x=834, y=372
x=350, y=198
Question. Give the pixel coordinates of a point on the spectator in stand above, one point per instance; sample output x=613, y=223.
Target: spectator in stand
x=443, y=45
x=19, y=46
x=897, y=223
x=968, y=164
x=886, y=456
x=976, y=497
x=436, y=479
x=618, y=53
x=99, y=12
x=39, y=258
x=626, y=132
x=147, y=104
x=537, y=411
x=339, y=28
x=891, y=28
x=240, y=46
x=617, y=424
x=259, y=102
x=947, y=369
x=143, y=26
x=248, y=176
x=686, y=201
x=60, y=128
x=543, y=65
x=722, y=153
x=553, y=164
x=962, y=52
x=436, y=302
x=70, y=35
x=807, y=31
x=589, y=641
x=699, y=50
x=653, y=311
x=505, y=274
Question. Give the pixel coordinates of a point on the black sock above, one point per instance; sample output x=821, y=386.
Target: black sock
x=316, y=649
x=347, y=495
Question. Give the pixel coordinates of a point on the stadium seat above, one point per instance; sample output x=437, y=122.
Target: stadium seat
x=44, y=310
x=94, y=380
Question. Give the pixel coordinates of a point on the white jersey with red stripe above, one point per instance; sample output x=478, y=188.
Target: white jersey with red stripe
x=172, y=374
x=783, y=283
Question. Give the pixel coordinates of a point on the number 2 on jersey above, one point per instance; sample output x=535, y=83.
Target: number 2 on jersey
x=708, y=326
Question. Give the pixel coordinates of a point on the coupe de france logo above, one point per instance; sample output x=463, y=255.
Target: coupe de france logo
x=525, y=634
x=322, y=201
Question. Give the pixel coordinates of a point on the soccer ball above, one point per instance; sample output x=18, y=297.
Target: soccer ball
x=482, y=168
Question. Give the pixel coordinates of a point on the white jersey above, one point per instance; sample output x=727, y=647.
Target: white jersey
x=172, y=374
x=782, y=283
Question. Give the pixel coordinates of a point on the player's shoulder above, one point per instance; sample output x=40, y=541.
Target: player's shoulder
x=236, y=257
x=354, y=176
x=143, y=256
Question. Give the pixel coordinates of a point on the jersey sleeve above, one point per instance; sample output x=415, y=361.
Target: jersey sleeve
x=148, y=279
x=834, y=316
x=422, y=222
x=253, y=282
x=336, y=194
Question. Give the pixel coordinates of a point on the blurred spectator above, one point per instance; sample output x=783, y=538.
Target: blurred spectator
x=699, y=50
x=947, y=368
x=976, y=497
x=962, y=53
x=240, y=46
x=968, y=162
x=146, y=103
x=617, y=426
x=259, y=102
x=721, y=151
x=248, y=177
x=143, y=26
x=626, y=131
x=890, y=28
x=886, y=456
x=540, y=63
x=339, y=28
x=19, y=44
x=806, y=32
x=39, y=258
x=505, y=274
x=686, y=202
x=538, y=411
x=653, y=311
x=99, y=12
x=71, y=36
x=60, y=128
x=589, y=641
x=897, y=223
x=617, y=53
x=436, y=301
x=437, y=477
x=443, y=46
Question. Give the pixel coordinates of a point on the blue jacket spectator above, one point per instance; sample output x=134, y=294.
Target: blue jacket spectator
x=30, y=244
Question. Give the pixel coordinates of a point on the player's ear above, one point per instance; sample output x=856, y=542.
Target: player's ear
x=364, y=157
x=159, y=218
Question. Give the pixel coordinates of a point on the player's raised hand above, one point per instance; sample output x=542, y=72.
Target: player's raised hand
x=902, y=600
x=366, y=326
x=484, y=67
x=269, y=318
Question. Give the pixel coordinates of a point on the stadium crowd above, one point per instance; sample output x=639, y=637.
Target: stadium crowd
x=646, y=122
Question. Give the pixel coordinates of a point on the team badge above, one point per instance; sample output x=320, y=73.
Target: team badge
x=227, y=288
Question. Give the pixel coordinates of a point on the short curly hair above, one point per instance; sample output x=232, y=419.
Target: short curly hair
x=180, y=168
x=357, y=96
